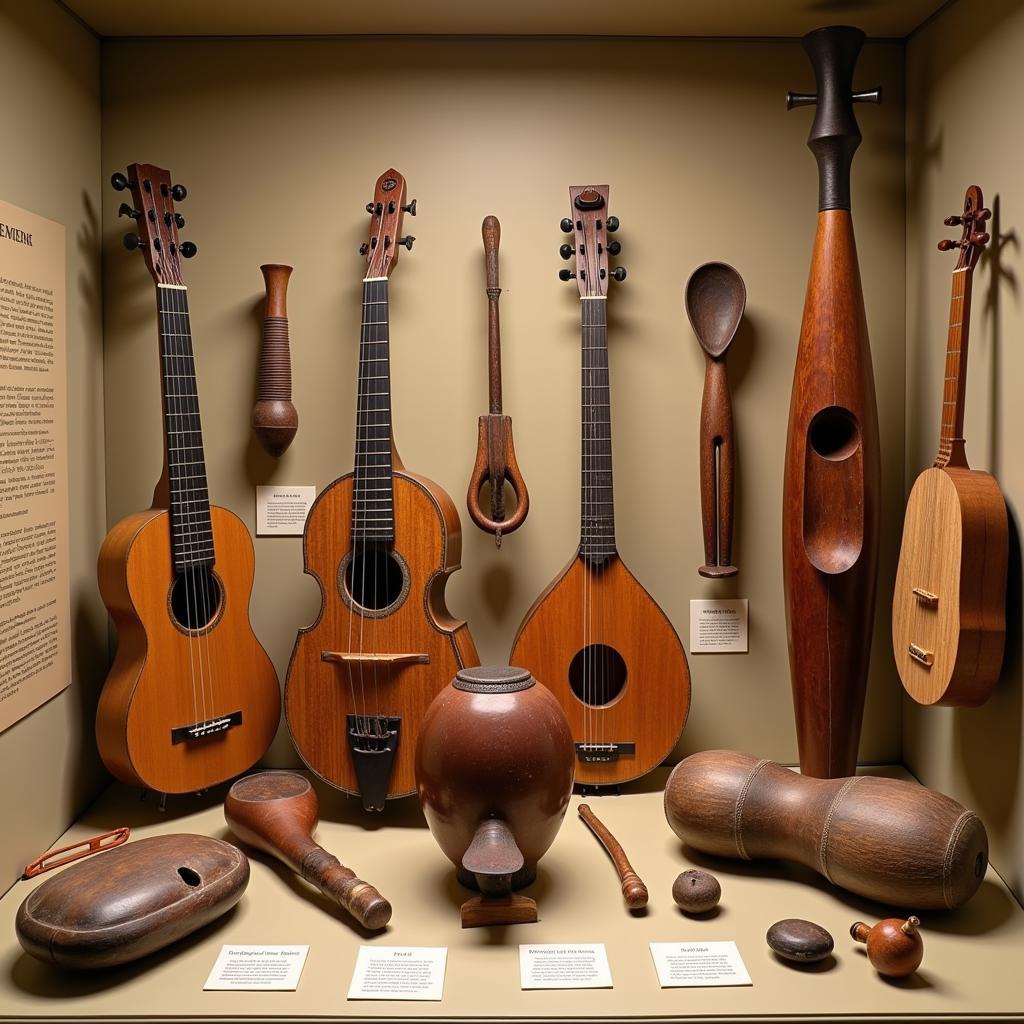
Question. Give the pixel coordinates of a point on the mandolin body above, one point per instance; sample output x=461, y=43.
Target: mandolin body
x=319, y=694
x=651, y=707
x=949, y=601
x=166, y=677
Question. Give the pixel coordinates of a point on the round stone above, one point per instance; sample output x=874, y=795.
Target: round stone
x=803, y=942
x=696, y=892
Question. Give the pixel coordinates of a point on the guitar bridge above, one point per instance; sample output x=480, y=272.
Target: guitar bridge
x=920, y=654
x=603, y=753
x=372, y=742
x=926, y=597
x=201, y=730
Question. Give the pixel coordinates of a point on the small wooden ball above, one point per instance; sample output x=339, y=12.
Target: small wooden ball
x=803, y=942
x=895, y=947
x=696, y=892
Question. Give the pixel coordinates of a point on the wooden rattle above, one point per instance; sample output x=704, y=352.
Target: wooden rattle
x=895, y=947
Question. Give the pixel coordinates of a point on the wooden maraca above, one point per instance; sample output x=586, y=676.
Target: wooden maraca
x=277, y=812
x=715, y=300
x=274, y=417
x=895, y=947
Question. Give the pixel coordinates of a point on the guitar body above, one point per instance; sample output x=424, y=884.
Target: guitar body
x=166, y=676
x=413, y=620
x=949, y=602
x=640, y=695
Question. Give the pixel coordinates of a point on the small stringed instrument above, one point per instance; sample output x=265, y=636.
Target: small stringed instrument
x=381, y=542
x=949, y=606
x=192, y=699
x=595, y=637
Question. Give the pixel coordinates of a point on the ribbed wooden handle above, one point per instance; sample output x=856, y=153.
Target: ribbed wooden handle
x=274, y=417
x=634, y=892
x=491, y=231
x=340, y=884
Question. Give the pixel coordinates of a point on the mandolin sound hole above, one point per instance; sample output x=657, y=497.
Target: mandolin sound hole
x=374, y=578
x=597, y=675
x=834, y=433
x=196, y=598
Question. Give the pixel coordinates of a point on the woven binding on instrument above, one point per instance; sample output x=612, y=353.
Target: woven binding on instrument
x=737, y=820
x=947, y=860
x=834, y=806
x=493, y=679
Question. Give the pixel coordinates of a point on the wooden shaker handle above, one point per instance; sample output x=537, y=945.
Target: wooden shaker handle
x=274, y=418
x=340, y=884
x=634, y=892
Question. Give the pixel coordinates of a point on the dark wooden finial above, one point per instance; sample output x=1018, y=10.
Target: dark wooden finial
x=274, y=417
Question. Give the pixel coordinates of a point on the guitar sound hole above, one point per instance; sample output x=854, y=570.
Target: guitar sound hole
x=195, y=598
x=374, y=578
x=597, y=674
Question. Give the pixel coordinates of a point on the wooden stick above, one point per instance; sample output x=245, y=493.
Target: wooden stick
x=634, y=892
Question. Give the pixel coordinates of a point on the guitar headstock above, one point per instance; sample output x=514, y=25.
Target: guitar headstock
x=972, y=240
x=590, y=226
x=152, y=209
x=387, y=210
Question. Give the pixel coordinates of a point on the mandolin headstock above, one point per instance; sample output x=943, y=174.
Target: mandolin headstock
x=972, y=240
x=590, y=226
x=156, y=235
x=387, y=210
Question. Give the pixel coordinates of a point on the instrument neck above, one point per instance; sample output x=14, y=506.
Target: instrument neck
x=373, y=505
x=597, y=506
x=188, y=495
x=954, y=385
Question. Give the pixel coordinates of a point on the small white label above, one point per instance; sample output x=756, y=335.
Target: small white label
x=718, y=627
x=556, y=965
x=257, y=968
x=696, y=964
x=281, y=511
x=399, y=972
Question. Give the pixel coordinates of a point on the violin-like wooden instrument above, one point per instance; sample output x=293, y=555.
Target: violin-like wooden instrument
x=830, y=505
x=495, y=455
x=381, y=542
x=595, y=637
x=192, y=699
x=949, y=606
x=274, y=417
x=277, y=812
x=885, y=839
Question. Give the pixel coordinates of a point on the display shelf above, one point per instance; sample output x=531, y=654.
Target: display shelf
x=971, y=968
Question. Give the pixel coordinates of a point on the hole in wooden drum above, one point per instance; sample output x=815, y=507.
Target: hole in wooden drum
x=597, y=675
x=834, y=433
x=980, y=863
x=189, y=877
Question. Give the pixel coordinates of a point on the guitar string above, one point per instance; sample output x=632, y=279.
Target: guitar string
x=381, y=555
x=587, y=543
x=954, y=361
x=170, y=376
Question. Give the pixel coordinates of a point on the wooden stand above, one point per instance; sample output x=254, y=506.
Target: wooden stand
x=486, y=910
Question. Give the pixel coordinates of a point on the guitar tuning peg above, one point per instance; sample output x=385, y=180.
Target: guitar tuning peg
x=124, y=210
x=980, y=238
x=952, y=222
x=612, y=224
x=178, y=220
x=132, y=241
x=178, y=192
x=369, y=207
x=614, y=248
x=565, y=274
x=119, y=181
x=619, y=273
x=565, y=250
x=800, y=99
x=982, y=215
x=407, y=241
x=867, y=96
x=948, y=243
x=410, y=208
x=566, y=225
x=364, y=248
x=188, y=249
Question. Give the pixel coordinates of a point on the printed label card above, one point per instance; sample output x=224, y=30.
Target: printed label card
x=718, y=627
x=399, y=972
x=699, y=964
x=257, y=968
x=558, y=965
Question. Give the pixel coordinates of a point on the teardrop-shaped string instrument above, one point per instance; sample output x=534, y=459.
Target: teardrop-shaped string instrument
x=495, y=455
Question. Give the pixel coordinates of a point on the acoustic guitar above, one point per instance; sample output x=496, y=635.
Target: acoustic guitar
x=381, y=542
x=192, y=699
x=595, y=637
x=949, y=606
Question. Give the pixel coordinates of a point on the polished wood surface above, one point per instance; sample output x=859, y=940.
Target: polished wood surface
x=277, y=812
x=894, y=946
x=274, y=416
x=319, y=692
x=891, y=841
x=949, y=603
x=164, y=677
x=615, y=610
x=131, y=901
x=634, y=892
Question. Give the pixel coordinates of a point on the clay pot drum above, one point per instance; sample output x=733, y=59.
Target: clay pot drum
x=494, y=772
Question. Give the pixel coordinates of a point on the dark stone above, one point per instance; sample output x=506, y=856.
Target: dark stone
x=696, y=892
x=801, y=941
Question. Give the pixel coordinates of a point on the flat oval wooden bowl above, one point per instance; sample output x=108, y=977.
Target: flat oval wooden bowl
x=131, y=901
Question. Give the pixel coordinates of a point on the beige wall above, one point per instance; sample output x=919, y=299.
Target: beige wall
x=965, y=91
x=50, y=81
x=279, y=143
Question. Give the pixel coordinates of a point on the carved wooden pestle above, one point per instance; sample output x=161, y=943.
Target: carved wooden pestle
x=634, y=892
x=274, y=418
x=715, y=300
x=277, y=812
x=495, y=454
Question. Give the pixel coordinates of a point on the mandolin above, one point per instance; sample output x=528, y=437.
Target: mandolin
x=192, y=698
x=381, y=542
x=595, y=637
x=949, y=606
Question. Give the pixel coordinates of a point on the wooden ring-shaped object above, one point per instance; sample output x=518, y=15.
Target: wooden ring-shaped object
x=496, y=464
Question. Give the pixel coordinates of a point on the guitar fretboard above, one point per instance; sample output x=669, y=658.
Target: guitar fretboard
x=373, y=509
x=191, y=528
x=597, y=506
x=954, y=385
